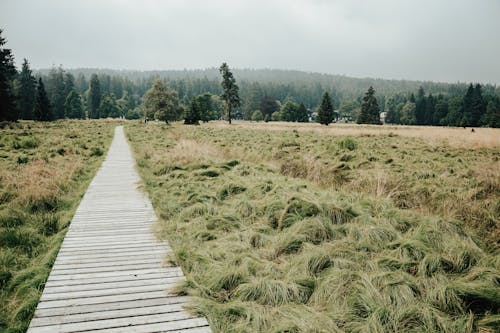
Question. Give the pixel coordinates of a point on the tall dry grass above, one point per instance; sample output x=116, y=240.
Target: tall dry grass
x=271, y=250
x=454, y=136
x=44, y=171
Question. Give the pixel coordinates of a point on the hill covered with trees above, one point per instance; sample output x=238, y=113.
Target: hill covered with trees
x=267, y=94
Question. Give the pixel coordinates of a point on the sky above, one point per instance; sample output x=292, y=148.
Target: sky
x=431, y=40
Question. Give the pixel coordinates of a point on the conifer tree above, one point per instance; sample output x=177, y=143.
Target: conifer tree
x=478, y=107
x=325, y=112
x=42, y=111
x=8, y=109
x=26, y=92
x=192, y=116
x=370, y=111
x=73, y=107
x=94, y=97
x=302, y=114
x=467, y=107
x=229, y=91
x=492, y=116
x=420, y=104
x=56, y=92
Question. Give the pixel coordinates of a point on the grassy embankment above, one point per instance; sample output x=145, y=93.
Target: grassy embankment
x=283, y=231
x=45, y=169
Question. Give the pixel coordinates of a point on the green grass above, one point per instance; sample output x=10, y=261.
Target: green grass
x=45, y=169
x=275, y=233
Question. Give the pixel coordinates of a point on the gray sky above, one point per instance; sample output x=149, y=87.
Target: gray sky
x=440, y=40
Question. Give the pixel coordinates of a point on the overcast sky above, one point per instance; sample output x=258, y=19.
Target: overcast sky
x=440, y=40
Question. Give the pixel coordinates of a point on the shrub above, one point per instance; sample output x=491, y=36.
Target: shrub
x=348, y=143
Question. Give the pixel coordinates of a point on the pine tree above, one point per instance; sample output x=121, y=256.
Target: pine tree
x=478, y=107
x=492, y=116
x=325, y=112
x=94, y=97
x=56, y=91
x=8, y=109
x=206, y=107
x=192, y=116
x=26, y=92
x=441, y=111
x=42, y=111
x=229, y=91
x=73, y=107
x=467, y=107
x=429, y=110
x=420, y=104
x=302, y=114
x=370, y=111
x=390, y=115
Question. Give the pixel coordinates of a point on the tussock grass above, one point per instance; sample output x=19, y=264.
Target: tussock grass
x=44, y=171
x=417, y=171
x=267, y=252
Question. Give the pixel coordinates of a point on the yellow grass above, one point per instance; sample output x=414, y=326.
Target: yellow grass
x=455, y=136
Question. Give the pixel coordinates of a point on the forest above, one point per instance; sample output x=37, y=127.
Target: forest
x=265, y=94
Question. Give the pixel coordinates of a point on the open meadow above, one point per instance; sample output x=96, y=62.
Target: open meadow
x=303, y=228
x=45, y=169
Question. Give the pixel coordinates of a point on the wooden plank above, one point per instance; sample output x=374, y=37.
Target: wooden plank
x=81, y=309
x=127, y=322
x=76, y=282
x=104, y=292
x=173, y=326
x=113, y=284
x=106, y=314
x=108, y=275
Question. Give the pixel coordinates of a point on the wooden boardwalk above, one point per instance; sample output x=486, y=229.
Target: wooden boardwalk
x=108, y=275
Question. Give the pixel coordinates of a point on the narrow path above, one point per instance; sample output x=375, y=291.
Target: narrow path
x=108, y=275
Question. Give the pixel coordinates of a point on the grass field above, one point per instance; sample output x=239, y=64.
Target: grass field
x=45, y=169
x=302, y=229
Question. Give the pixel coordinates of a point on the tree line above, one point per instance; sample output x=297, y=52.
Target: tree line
x=267, y=95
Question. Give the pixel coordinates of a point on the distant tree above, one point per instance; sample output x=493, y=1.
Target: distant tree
x=69, y=84
x=108, y=107
x=302, y=114
x=455, y=114
x=42, y=110
x=429, y=110
x=8, y=109
x=268, y=105
x=26, y=91
x=289, y=111
x=492, y=116
x=420, y=103
x=440, y=112
x=478, y=107
x=94, y=97
x=370, y=111
x=136, y=113
x=192, y=116
x=161, y=103
x=56, y=91
x=276, y=116
x=229, y=91
x=467, y=107
x=206, y=107
x=73, y=107
x=81, y=84
x=391, y=116
x=407, y=116
x=325, y=112
x=257, y=116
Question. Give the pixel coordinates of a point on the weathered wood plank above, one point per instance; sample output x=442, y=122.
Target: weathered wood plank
x=108, y=275
x=81, y=309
